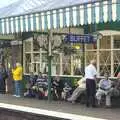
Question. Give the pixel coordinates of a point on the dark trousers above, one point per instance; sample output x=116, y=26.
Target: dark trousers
x=90, y=92
x=2, y=86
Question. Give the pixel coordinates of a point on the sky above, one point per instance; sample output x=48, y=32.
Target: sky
x=4, y=3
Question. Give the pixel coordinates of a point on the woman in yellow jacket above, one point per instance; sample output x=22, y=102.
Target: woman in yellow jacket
x=17, y=76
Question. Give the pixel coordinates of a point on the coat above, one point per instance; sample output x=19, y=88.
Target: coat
x=17, y=73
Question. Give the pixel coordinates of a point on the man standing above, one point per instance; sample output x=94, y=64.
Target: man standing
x=3, y=76
x=90, y=75
x=17, y=76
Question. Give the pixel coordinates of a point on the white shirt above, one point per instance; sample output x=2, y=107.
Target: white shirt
x=90, y=72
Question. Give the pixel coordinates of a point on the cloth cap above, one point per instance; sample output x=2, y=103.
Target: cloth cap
x=18, y=64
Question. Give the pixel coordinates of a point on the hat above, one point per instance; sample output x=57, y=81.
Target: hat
x=18, y=64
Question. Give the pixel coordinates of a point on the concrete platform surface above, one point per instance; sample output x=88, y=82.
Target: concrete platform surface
x=58, y=108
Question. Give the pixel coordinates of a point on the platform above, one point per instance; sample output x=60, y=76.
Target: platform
x=58, y=109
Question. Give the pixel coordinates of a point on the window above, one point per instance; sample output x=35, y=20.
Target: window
x=105, y=42
x=117, y=44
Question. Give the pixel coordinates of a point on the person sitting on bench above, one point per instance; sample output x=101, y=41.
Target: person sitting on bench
x=80, y=89
x=116, y=87
x=105, y=86
x=66, y=91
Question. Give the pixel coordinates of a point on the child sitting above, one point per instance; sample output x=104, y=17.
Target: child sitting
x=66, y=91
x=29, y=85
x=40, y=86
x=57, y=88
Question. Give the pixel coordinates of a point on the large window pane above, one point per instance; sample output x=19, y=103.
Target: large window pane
x=117, y=42
x=77, y=64
x=27, y=46
x=116, y=62
x=36, y=67
x=56, y=64
x=91, y=46
x=66, y=65
x=105, y=62
x=36, y=57
x=44, y=66
x=90, y=55
x=27, y=63
x=105, y=42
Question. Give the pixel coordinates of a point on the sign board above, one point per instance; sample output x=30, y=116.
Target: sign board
x=87, y=39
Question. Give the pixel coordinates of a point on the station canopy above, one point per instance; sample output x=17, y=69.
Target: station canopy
x=41, y=15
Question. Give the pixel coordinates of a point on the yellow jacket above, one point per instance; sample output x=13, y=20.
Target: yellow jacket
x=17, y=73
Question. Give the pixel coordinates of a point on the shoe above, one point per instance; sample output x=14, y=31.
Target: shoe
x=73, y=102
x=14, y=95
x=18, y=96
x=69, y=100
x=108, y=106
x=94, y=106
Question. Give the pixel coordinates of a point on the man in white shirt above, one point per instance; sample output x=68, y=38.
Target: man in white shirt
x=105, y=88
x=80, y=89
x=90, y=75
